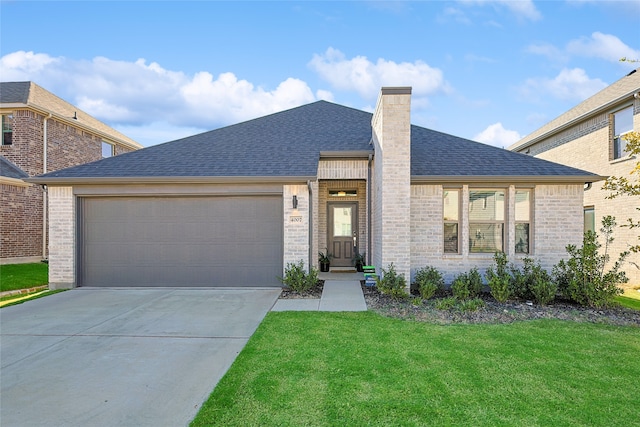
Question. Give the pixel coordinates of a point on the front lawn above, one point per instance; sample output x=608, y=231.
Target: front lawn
x=23, y=276
x=317, y=369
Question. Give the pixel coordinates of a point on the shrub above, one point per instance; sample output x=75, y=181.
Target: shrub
x=392, y=283
x=467, y=285
x=473, y=304
x=297, y=278
x=521, y=280
x=429, y=281
x=542, y=286
x=582, y=277
x=446, y=303
x=499, y=279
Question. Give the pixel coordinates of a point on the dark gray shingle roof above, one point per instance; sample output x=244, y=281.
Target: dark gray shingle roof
x=10, y=170
x=14, y=92
x=288, y=144
x=439, y=154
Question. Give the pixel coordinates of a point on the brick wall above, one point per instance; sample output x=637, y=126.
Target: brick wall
x=22, y=209
x=392, y=180
x=296, y=224
x=62, y=231
x=557, y=221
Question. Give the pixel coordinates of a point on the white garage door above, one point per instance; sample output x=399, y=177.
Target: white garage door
x=181, y=241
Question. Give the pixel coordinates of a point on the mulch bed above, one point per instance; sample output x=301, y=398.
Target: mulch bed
x=492, y=312
x=495, y=312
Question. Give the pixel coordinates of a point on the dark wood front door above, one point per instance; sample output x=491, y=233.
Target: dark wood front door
x=342, y=229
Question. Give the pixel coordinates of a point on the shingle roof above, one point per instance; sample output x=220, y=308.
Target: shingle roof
x=9, y=170
x=289, y=143
x=439, y=154
x=623, y=88
x=30, y=94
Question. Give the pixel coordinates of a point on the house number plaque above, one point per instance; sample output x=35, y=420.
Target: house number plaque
x=296, y=219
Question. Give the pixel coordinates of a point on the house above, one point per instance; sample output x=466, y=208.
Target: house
x=234, y=206
x=590, y=136
x=41, y=133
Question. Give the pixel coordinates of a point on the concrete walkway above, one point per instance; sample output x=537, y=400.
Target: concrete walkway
x=336, y=296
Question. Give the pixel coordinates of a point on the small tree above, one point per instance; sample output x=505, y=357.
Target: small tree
x=582, y=277
x=499, y=278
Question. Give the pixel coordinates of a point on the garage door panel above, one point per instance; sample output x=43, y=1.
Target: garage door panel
x=204, y=241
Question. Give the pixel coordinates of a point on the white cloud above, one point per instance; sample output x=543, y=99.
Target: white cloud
x=569, y=85
x=521, y=8
x=498, y=136
x=137, y=94
x=549, y=51
x=603, y=46
x=365, y=77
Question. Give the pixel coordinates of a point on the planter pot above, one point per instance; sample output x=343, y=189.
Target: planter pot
x=324, y=267
x=359, y=267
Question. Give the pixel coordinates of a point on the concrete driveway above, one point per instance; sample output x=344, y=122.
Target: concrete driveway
x=121, y=357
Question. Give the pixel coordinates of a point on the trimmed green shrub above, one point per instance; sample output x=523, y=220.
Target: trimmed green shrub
x=467, y=285
x=521, y=280
x=392, y=283
x=296, y=277
x=542, y=286
x=429, y=281
x=582, y=277
x=499, y=279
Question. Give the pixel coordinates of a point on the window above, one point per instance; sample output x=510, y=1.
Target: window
x=622, y=124
x=523, y=221
x=107, y=150
x=486, y=221
x=589, y=219
x=451, y=218
x=7, y=129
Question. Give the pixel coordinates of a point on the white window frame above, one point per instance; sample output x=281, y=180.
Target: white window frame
x=528, y=221
x=452, y=221
x=110, y=147
x=478, y=231
x=619, y=144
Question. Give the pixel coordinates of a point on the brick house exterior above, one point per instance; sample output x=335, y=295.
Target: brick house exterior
x=41, y=133
x=326, y=178
x=587, y=137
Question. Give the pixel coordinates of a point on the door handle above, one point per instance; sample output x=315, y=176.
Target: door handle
x=355, y=239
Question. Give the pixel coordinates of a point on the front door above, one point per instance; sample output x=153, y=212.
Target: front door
x=342, y=231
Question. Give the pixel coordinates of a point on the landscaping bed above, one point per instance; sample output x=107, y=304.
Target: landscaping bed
x=492, y=311
x=313, y=293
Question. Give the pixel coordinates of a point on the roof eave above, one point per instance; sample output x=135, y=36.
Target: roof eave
x=70, y=181
x=506, y=179
x=72, y=122
x=574, y=121
x=354, y=154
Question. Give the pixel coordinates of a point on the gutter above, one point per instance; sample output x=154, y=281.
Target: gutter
x=507, y=179
x=69, y=181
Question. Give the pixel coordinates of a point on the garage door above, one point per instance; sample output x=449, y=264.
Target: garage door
x=191, y=241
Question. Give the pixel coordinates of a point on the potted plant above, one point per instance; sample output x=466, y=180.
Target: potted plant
x=360, y=260
x=324, y=259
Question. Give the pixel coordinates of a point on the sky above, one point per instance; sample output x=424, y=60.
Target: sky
x=488, y=70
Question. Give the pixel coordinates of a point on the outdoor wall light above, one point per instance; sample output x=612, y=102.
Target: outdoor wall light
x=295, y=202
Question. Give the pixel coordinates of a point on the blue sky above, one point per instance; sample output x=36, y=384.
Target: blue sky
x=492, y=71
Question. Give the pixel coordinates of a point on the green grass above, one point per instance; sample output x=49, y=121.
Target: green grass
x=19, y=299
x=23, y=276
x=632, y=303
x=356, y=369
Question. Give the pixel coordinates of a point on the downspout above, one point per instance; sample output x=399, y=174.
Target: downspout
x=369, y=210
x=310, y=225
x=44, y=189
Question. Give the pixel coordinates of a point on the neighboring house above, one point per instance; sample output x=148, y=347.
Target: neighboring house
x=41, y=133
x=590, y=136
x=234, y=206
